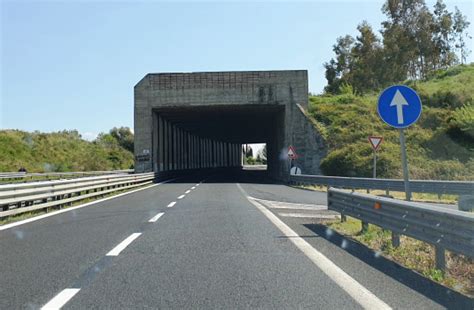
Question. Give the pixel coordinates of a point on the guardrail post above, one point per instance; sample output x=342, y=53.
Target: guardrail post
x=365, y=227
x=440, y=259
x=343, y=218
x=395, y=240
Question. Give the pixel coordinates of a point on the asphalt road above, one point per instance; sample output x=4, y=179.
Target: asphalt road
x=211, y=248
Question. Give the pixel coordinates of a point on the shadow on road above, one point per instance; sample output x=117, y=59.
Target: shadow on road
x=440, y=294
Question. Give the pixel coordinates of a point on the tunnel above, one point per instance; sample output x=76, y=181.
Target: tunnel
x=194, y=121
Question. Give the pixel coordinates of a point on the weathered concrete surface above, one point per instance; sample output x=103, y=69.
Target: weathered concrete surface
x=227, y=108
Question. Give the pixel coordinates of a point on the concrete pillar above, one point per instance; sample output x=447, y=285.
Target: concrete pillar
x=219, y=153
x=175, y=148
x=236, y=152
x=184, y=150
x=203, y=153
x=207, y=153
x=222, y=155
x=165, y=145
x=187, y=150
x=180, y=149
x=169, y=146
x=154, y=146
x=199, y=153
x=161, y=137
x=214, y=153
x=192, y=152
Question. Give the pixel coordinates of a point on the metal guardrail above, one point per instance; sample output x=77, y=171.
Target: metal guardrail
x=416, y=186
x=46, y=175
x=444, y=228
x=26, y=197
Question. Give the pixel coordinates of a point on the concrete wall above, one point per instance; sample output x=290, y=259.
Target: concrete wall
x=161, y=144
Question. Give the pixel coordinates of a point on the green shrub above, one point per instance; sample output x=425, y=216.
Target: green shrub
x=59, y=152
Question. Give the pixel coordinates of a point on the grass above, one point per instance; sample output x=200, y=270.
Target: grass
x=414, y=254
x=440, y=145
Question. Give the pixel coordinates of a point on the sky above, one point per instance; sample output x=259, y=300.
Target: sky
x=73, y=64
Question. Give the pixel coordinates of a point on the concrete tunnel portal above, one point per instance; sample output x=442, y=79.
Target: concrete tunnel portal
x=189, y=121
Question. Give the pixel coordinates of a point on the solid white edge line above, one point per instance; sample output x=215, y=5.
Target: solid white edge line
x=356, y=290
x=187, y=192
x=171, y=204
x=181, y=197
x=39, y=217
x=122, y=245
x=156, y=217
x=61, y=299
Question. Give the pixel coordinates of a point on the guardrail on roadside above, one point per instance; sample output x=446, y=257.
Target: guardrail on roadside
x=416, y=186
x=46, y=175
x=26, y=197
x=443, y=228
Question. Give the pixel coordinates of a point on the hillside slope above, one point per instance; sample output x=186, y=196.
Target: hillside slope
x=440, y=145
x=60, y=151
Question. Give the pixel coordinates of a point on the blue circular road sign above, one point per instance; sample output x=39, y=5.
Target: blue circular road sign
x=399, y=106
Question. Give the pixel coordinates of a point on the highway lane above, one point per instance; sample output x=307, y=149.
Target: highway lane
x=211, y=248
x=40, y=258
x=399, y=287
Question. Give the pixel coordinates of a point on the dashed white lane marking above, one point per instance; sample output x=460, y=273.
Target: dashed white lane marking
x=188, y=191
x=356, y=290
x=171, y=204
x=309, y=215
x=156, y=217
x=181, y=197
x=194, y=187
x=122, y=245
x=198, y=184
x=61, y=299
x=33, y=219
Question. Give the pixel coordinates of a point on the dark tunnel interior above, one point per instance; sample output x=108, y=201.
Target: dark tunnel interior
x=204, y=137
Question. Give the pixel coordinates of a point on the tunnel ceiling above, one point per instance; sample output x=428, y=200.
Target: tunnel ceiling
x=237, y=124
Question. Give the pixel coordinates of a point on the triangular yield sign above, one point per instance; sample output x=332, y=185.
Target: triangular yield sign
x=292, y=152
x=375, y=142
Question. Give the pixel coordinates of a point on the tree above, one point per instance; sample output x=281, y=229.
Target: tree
x=338, y=71
x=460, y=25
x=124, y=137
x=366, y=55
x=444, y=35
x=414, y=44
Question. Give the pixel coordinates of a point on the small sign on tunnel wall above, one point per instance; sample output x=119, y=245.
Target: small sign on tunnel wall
x=142, y=157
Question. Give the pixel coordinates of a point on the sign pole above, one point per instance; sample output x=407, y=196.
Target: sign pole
x=375, y=164
x=405, y=165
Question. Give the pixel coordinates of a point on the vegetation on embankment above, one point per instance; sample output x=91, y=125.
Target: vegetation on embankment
x=414, y=254
x=440, y=145
x=65, y=151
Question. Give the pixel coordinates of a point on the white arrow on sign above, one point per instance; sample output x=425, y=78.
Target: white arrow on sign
x=399, y=101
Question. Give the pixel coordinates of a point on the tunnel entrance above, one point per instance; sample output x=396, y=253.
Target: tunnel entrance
x=186, y=121
x=212, y=137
